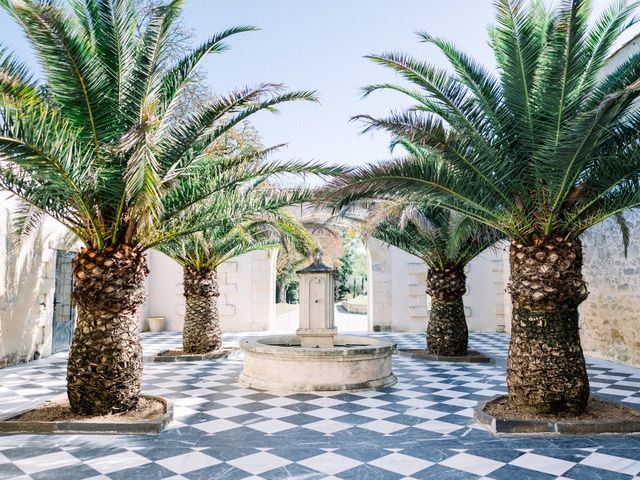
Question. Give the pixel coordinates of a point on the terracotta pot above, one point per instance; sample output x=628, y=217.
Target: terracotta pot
x=156, y=324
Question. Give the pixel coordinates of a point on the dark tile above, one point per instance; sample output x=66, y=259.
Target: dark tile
x=350, y=407
x=293, y=471
x=295, y=453
x=368, y=472
x=9, y=470
x=504, y=455
x=72, y=472
x=85, y=453
x=364, y=452
x=511, y=472
x=583, y=472
x=434, y=455
x=150, y=471
x=303, y=407
x=572, y=441
x=222, y=471
x=156, y=452
x=439, y=472
x=23, y=452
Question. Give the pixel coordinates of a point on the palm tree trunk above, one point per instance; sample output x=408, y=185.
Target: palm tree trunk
x=447, y=333
x=282, y=293
x=201, y=332
x=104, y=371
x=546, y=371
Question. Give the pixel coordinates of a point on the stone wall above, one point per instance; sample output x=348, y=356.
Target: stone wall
x=399, y=301
x=610, y=317
x=247, y=290
x=27, y=284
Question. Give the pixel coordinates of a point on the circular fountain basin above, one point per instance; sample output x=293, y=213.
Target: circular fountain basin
x=279, y=363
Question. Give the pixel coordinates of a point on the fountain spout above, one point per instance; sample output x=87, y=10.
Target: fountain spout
x=317, y=328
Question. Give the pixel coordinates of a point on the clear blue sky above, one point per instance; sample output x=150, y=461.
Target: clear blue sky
x=320, y=44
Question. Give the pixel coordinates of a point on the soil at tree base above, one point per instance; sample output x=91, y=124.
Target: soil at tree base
x=148, y=408
x=597, y=409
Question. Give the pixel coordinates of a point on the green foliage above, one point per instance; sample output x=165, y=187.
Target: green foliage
x=440, y=237
x=547, y=147
x=103, y=150
x=256, y=221
x=351, y=266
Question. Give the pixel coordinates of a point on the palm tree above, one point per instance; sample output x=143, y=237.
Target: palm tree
x=541, y=150
x=99, y=148
x=259, y=224
x=446, y=242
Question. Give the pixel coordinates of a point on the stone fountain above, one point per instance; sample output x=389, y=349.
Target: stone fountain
x=316, y=358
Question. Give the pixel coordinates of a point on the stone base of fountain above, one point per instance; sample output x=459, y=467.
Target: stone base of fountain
x=280, y=363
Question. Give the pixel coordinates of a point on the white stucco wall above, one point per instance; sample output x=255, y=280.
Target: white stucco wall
x=399, y=302
x=247, y=289
x=27, y=284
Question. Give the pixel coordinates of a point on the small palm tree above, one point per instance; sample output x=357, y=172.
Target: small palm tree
x=259, y=224
x=541, y=151
x=446, y=242
x=99, y=147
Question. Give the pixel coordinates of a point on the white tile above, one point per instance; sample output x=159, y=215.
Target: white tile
x=472, y=464
x=117, y=461
x=426, y=413
x=226, y=412
x=383, y=426
x=327, y=426
x=234, y=401
x=189, y=401
x=198, y=392
x=259, y=462
x=276, y=412
x=325, y=402
x=215, y=426
x=408, y=393
x=540, y=463
x=179, y=411
x=370, y=393
x=488, y=393
x=461, y=402
x=371, y=402
x=279, y=401
x=326, y=413
x=188, y=462
x=612, y=463
x=330, y=463
x=377, y=413
x=170, y=384
x=271, y=426
x=416, y=403
x=450, y=393
x=240, y=392
x=438, y=426
x=46, y=462
x=402, y=464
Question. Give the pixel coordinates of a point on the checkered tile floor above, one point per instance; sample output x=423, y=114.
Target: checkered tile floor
x=421, y=428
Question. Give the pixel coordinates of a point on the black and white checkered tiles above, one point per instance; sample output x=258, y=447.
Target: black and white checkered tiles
x=421, y=428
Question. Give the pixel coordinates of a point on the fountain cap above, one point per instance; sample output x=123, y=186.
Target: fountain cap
x=317, y=266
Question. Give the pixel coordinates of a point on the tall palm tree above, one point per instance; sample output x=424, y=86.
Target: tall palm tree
x=446, y=242
x=99, y=149
x=260, y=224
x=541, y=150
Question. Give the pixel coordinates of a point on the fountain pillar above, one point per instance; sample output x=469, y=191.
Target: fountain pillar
x=317, y=328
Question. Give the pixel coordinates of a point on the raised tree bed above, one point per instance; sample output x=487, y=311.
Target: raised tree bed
x=471, y=357
x=601, y=416
x=178, y=355
x=54, y=416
